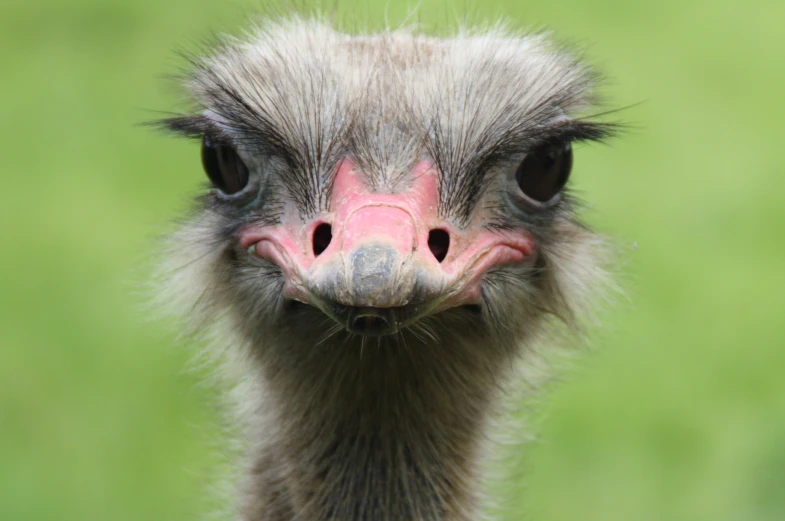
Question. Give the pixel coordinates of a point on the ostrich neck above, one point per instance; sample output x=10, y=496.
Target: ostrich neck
x=383, y=431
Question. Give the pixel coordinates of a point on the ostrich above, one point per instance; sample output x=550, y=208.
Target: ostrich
x=385, y=238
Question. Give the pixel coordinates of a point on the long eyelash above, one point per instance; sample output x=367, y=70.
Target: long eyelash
x=190, y=126
x=577, y=130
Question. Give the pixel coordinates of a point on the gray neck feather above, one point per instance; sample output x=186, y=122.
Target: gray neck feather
x=383, y=431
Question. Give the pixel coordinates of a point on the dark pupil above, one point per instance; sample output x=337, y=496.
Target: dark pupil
x=544, y=171
x=224, y=167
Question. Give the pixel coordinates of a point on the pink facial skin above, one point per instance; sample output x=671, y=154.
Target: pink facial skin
x=402, y=221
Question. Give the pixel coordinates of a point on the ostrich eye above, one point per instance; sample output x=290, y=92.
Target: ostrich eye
x=224, y=167
x=544, y=171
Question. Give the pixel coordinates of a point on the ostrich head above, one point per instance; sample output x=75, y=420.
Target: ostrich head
x=386, y=227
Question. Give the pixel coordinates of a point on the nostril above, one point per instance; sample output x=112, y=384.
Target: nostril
x=322, y=236
x=439, y=243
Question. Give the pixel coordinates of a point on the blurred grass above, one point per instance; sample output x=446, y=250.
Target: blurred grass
x=679, y=416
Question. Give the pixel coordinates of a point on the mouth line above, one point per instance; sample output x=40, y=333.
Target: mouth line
x=373, y=322
x=366, y=320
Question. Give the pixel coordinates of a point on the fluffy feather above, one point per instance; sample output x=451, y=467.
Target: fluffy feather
x=341, y=427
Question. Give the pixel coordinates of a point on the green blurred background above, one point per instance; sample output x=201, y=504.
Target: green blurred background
x=680, y=413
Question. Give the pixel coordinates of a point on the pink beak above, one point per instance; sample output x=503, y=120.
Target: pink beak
x=378, y=262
